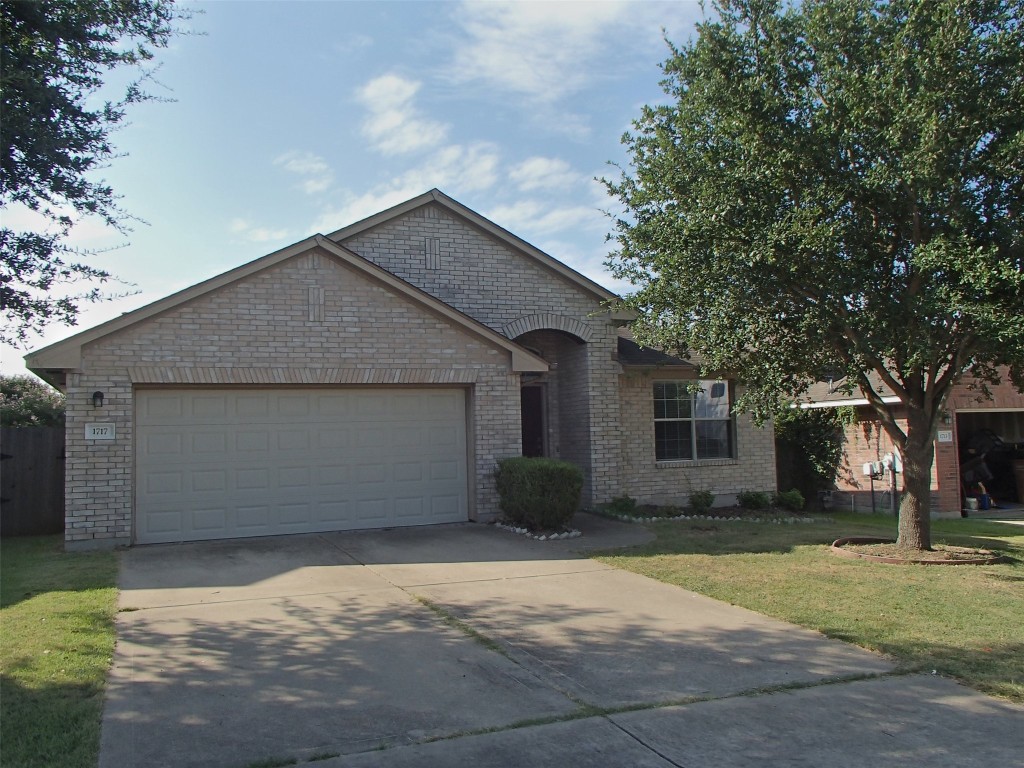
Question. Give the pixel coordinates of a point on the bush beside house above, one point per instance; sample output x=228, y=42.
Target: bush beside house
x=539, y=494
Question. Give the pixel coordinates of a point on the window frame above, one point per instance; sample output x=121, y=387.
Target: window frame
x=693, y=419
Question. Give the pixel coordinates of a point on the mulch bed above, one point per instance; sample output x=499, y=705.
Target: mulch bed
x=886, y=551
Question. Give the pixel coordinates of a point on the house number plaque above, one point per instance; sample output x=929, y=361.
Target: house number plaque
x=99, y=431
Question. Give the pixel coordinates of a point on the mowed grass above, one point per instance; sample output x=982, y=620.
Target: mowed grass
x=963, y=621
x=56, y=640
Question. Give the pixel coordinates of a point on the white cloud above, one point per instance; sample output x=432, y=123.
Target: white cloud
x=87, y=232
x=544, y=50
x=548, y=53
x=468, y=168
x=588, y=260
x=395, y=126
x=455, y=169
x=547, y=173
x=316, y=175
x=255, y=234
x=531, y=218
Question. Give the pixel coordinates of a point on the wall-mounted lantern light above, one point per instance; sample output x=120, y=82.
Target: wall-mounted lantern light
x=947, y=418
x=97, y=399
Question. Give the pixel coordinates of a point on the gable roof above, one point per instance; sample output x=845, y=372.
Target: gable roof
x=485, y=224
x=67, y=354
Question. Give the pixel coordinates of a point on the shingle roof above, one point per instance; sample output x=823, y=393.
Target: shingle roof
x=631, y=353
x=824, y=394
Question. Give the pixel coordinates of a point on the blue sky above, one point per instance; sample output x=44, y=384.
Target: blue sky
x=292, y=118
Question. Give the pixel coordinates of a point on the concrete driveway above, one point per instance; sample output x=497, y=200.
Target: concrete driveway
x=467, y=645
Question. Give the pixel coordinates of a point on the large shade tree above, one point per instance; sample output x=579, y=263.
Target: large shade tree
x=836, y=186
x=55, y=138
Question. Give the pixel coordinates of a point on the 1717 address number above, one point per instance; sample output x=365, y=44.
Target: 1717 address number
x=99, y=431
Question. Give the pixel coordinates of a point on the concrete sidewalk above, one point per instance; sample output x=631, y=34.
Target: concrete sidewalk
x=404, y=647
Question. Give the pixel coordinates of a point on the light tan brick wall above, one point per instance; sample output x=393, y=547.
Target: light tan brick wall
x=98, y=474
x=478, y=274
x=606, y=418
x=258, y=331
x=653, y=482
x=500, y=286
x=575, y=417
x=582, y=405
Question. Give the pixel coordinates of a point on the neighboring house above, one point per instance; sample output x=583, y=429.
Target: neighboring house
x=373, y=378
x=980, y=440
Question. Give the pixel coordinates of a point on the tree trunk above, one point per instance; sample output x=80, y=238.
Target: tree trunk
x=915, y=509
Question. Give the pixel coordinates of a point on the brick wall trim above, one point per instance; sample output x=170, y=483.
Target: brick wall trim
x=548, y=321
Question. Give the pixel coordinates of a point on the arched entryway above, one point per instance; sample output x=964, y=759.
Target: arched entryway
x=555, y=404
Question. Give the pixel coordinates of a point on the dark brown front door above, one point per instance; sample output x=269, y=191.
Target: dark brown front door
x=532, y=401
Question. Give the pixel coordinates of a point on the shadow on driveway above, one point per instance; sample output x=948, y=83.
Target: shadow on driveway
x=301, y=647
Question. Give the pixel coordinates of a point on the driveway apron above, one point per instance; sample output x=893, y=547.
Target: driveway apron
x=235, y=652
x=461, y=645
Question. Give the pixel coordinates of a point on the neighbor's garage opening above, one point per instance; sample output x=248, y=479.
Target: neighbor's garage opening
x=991, y=449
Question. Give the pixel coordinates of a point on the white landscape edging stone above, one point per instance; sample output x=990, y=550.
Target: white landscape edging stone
x=573, y=534
x=718, y=519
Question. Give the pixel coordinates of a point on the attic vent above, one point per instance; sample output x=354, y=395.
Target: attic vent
x=316, y=303
x=432, y=252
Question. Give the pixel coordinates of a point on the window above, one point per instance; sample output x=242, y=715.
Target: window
x=689, y=424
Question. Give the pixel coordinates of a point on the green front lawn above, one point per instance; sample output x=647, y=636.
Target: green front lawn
x=56, y=640
x=963, y=621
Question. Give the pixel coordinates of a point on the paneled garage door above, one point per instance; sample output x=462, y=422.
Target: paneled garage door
x=225, y=463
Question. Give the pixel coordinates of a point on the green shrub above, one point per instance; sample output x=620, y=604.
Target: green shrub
x=701, y=501
x=622, y=505
x=792, y=500
x=809, y=447
x=26, y=402
x=539, y=494
x=753, y=499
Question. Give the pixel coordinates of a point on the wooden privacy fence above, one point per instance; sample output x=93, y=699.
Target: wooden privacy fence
x=31, y=480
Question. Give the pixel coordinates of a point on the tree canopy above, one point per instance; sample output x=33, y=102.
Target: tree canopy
x=25, y=401
x=55, y=136
x=835, y=190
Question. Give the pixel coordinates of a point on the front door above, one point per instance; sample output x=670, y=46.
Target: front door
x=532, y=401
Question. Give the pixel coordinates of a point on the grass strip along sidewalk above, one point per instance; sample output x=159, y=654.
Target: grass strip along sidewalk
x=56, y=640
x=963, y=621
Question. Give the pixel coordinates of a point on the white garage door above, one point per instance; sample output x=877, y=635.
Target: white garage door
x=223, y=463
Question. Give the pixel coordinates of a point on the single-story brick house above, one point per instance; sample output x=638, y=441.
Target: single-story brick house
x=980, y=440
x=373, y=377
